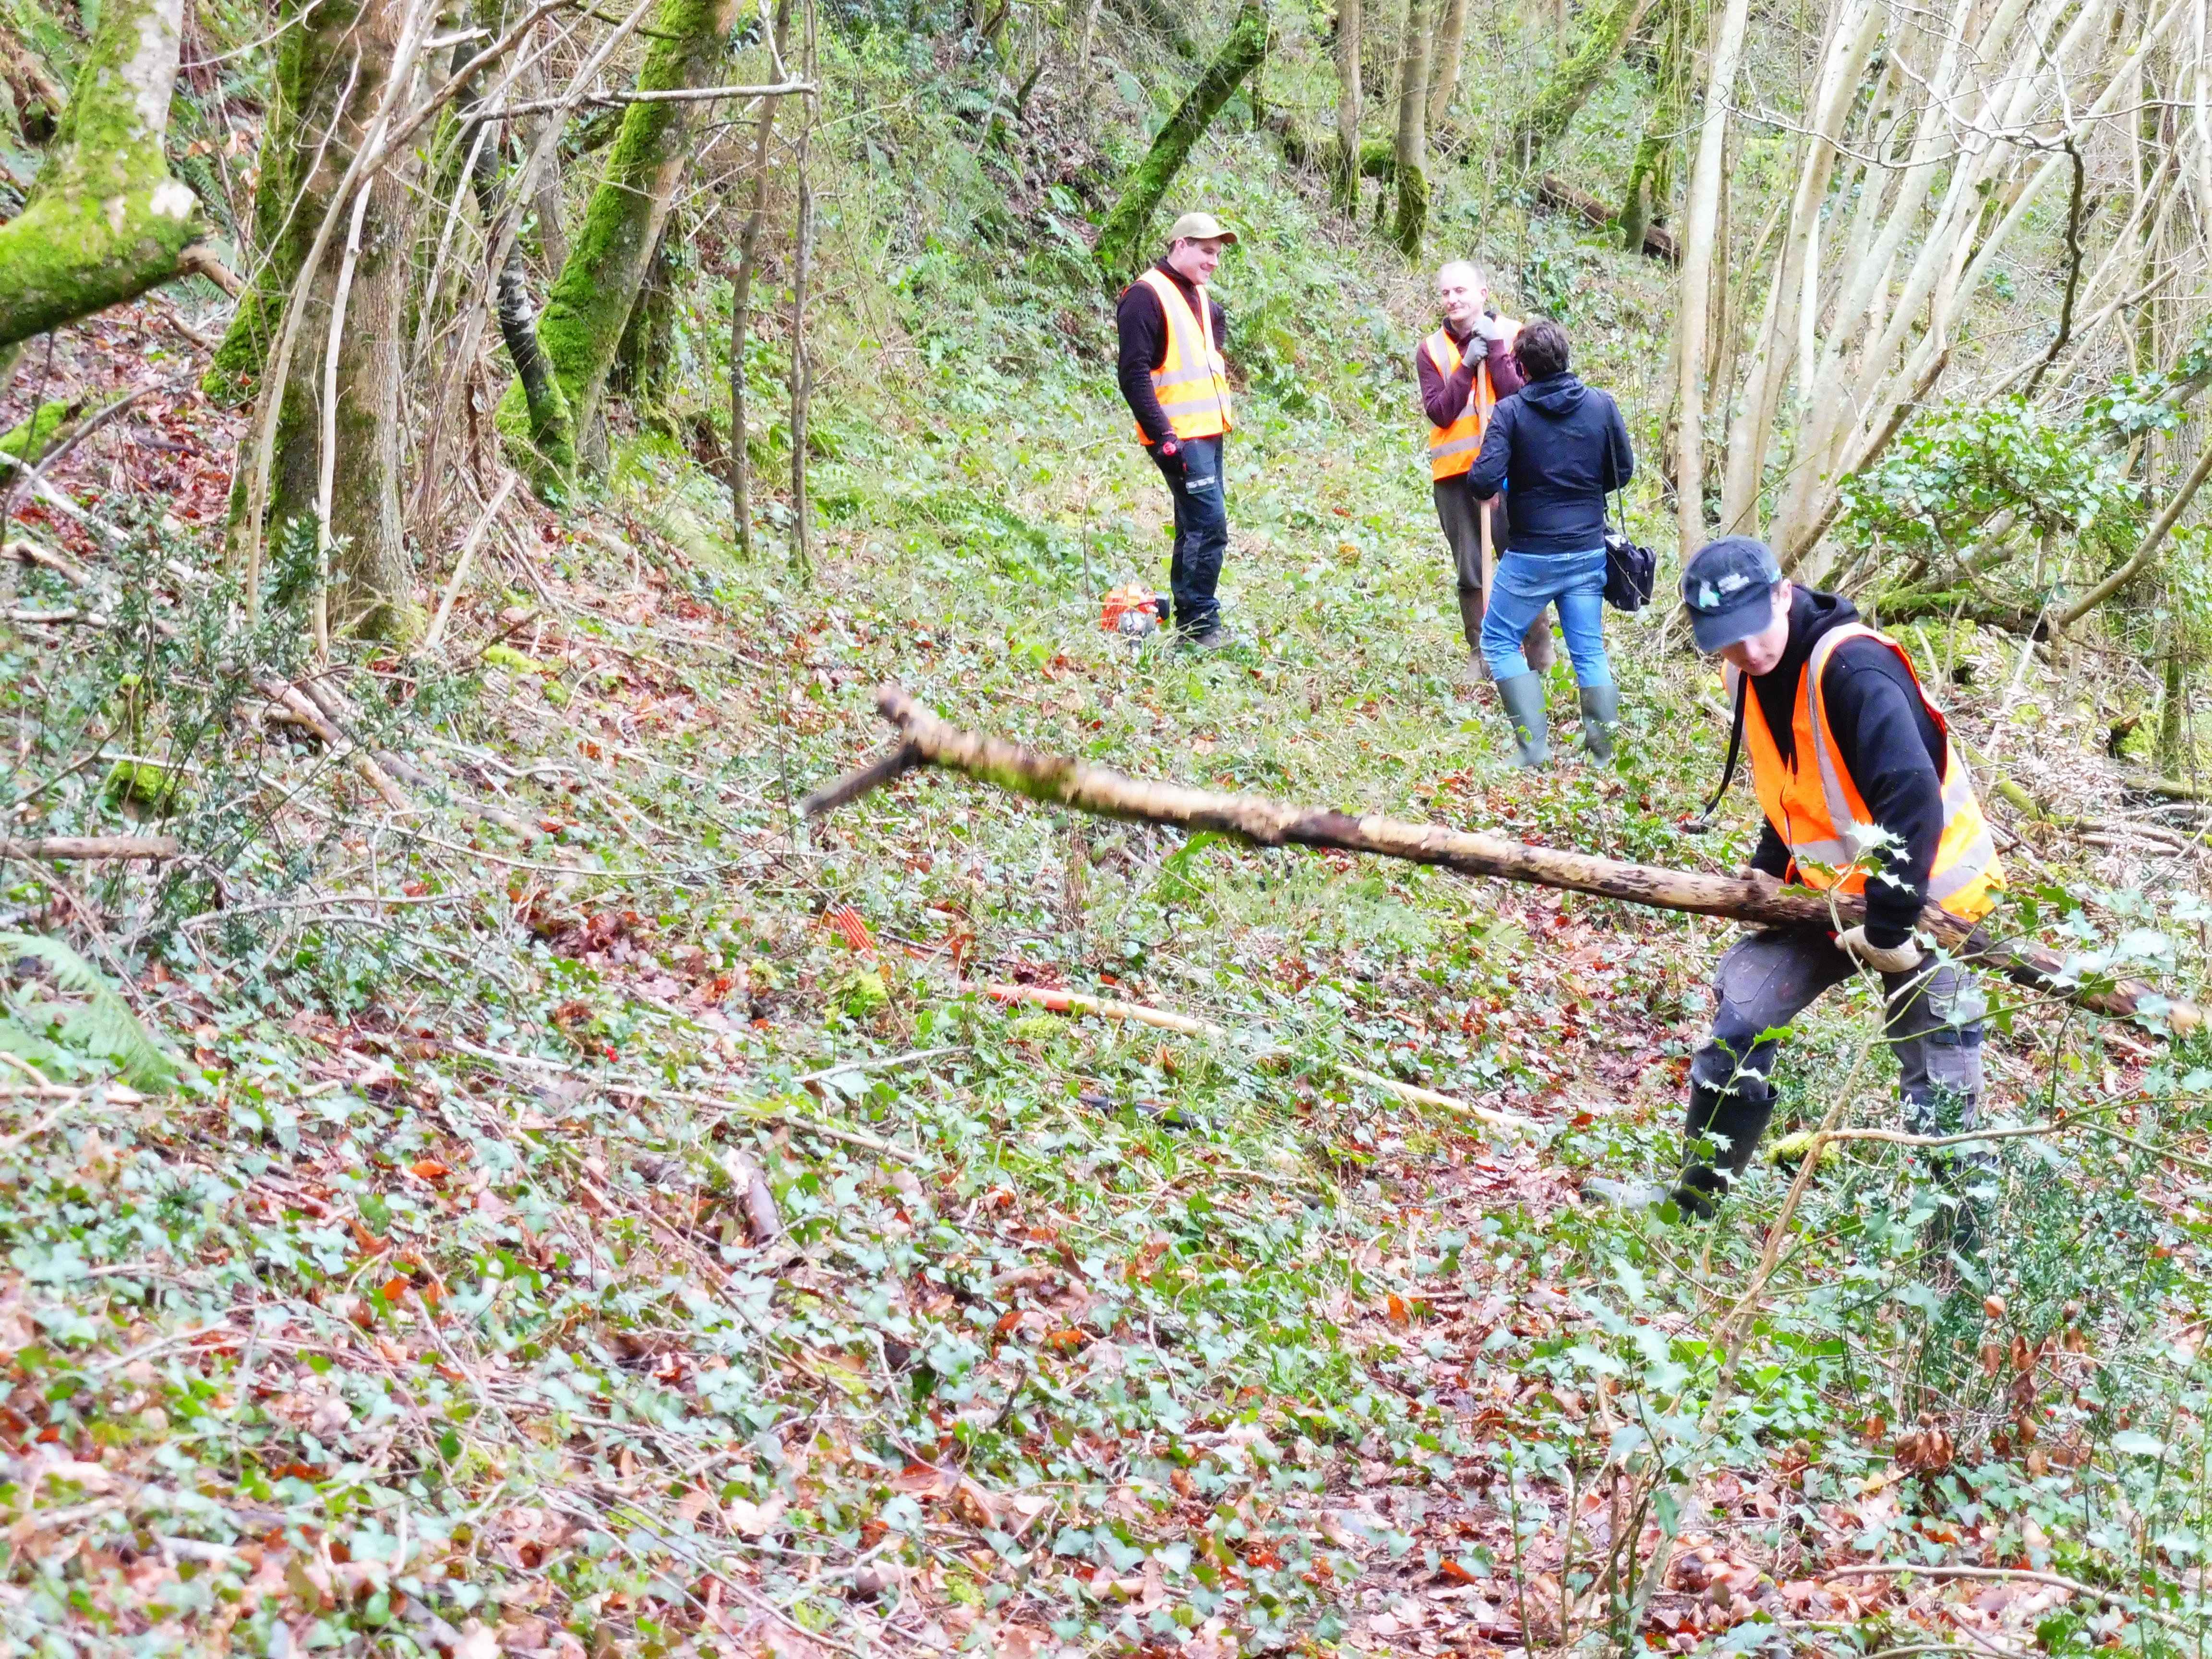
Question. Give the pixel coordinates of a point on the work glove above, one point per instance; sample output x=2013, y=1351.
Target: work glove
x=1171, y=452
x=1893, y=959
x=1490, y=326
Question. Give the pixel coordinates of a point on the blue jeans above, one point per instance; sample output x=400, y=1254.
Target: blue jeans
x=1526, y=583
x=1201, y=530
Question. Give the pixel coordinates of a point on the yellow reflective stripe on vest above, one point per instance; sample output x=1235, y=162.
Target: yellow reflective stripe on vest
x=1190, y=384
x=1452, y=449
x=1966, y=853
x=1974, y=862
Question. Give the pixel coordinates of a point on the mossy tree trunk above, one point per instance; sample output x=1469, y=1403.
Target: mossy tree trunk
x=2170, y=710
x=1651, y=173
x=1554, y=108
x=1348, y=100
x=590, y=304
x=346, y=52
x=1121, y=239
x=277, y=247
x=644, y=371
x=106, y=222
x=741, y=292
x=1411, y=153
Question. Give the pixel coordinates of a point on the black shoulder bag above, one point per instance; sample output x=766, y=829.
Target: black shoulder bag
x=1631, y=571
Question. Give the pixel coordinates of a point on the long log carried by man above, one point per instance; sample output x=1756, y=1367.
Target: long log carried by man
x=926, y=740
x=1864, y=793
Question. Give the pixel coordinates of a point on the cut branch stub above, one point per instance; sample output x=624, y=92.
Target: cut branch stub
x=1262, y=821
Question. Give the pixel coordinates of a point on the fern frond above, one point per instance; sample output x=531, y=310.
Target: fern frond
x=106, y=1021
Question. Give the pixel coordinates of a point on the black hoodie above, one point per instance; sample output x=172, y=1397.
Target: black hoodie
x=1892, y=750
x=1557, y=446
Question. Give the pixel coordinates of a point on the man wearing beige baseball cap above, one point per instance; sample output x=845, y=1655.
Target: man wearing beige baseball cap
x=1172, y=331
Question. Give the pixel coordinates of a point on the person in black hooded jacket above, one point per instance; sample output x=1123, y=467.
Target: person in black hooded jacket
x=1556, y=447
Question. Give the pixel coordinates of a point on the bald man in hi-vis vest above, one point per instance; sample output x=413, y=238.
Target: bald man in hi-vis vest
x=1463, y=369
x=1172, y=375
x=1863, y=791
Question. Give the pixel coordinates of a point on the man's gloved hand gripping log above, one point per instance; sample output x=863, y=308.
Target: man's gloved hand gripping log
x=1844, y=745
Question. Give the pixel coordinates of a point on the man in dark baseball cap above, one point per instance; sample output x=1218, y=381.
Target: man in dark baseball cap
x=1857, y=774
x=1729, y=588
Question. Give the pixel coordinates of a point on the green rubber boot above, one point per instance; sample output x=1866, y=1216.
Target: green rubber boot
x=1601, y=713
x=1524, y=697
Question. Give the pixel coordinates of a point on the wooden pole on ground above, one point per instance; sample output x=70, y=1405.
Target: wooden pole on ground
x=925, y=740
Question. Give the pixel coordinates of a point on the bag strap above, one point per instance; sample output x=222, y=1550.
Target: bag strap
x=1703, y=821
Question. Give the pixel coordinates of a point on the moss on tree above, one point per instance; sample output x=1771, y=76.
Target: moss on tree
x=106, y=222
x=1554, y=108
x=589, y=306
x=1121, y=238
x=280, y=241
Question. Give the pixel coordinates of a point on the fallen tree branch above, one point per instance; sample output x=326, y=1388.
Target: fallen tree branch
x=2015, y=1575
x=92, y=847
x=1074, y=1002
x=641, y=95
x=1265, y=823
x=1555, y=192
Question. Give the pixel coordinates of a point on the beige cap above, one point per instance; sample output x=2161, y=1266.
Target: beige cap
x=1199, y=228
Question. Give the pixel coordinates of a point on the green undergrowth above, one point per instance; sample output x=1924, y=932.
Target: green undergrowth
x=430, y=1310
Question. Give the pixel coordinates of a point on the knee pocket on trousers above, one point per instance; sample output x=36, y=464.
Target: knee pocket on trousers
x=1955, y=1061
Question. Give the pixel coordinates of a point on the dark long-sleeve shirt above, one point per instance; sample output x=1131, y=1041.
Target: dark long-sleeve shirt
x=1444, y=397
x=1890, y=745
x=1143, y=326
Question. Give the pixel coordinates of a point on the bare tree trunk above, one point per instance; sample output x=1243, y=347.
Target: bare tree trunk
x=1412, y=145
x=1697, y=245
x=1348, y=112
x=545, y=198
x=1443, y=73
x=513, y=305
x=372, y=594
x=741, y=296
x=802, y=370
x=1853, y=29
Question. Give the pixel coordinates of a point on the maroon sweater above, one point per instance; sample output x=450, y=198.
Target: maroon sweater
x=1444, y=400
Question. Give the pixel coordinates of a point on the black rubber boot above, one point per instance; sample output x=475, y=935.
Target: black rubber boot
x=1739, y=1117
x=1601, y=713
x=1524, y=697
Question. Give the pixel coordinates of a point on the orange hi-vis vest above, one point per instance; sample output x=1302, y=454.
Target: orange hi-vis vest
x=1815, y=805
x=1192, y=382
x=1452, y=449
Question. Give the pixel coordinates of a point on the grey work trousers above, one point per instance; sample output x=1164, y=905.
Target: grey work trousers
x=1456, y=513
x=1767, y=979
